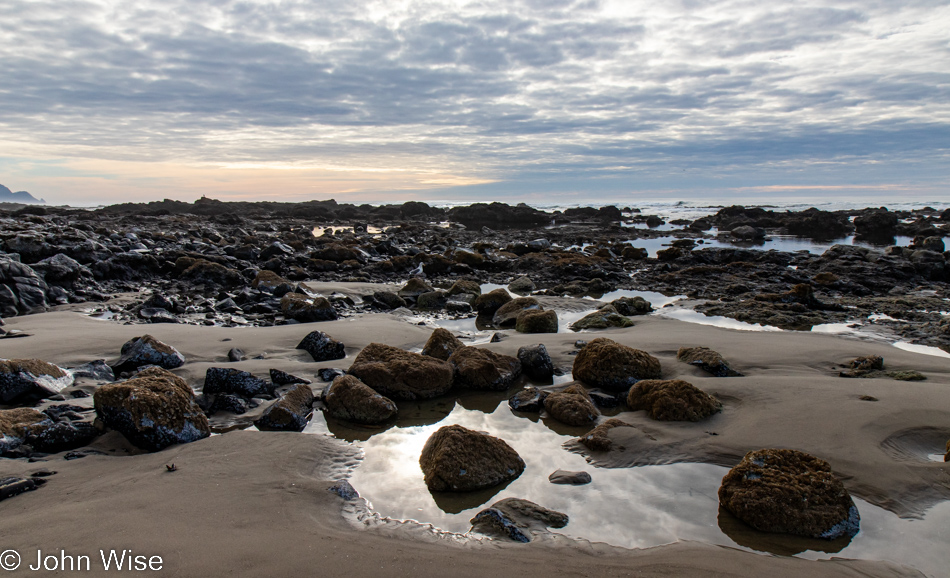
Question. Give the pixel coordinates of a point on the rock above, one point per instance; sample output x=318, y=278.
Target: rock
x=11, y=486
x=350, y=399
x=489, y=303
x=400, y=374
x=609, y=365
x=289, y=413
x=432, y=300
x=483, y=369
x=278, y=377
x=208, y=273
x=307, y=309
x=601, y=319
x=94, y=370
x=672, y=400
x=566, y=477
x=229, y=402
x=632, y=306
x=528, y=400
x=789, y=492
x=879, y=224
x=270, y=282
x=441, y=344
x=535, y=362
x=153, y=410
x=707, y=360
x=457, y=459
x=571, y=406
x=634, y=253
x=62, y=436
x=747, y=233
x=536, y=321
x=345, y=490
x=146, y=350
x=17, y=424
x=522, y=286
x=507, y=314
x=413, y=288
x=322, y=347
x=228, y=380
x=463, y=286
x=597, y=439
x=330, y=373
x=236, y=354
x=20, y=376
x=868, y=363
x=388, y=300
x=515, y=518
x=603, y=399
x=22, y=290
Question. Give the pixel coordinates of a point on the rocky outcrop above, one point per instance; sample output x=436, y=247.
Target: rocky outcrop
x=236, y=382
x=536, y=362
x=153, y=410
x=289, y=413
x=484, y=369
x=350, y=399
x=322, y=347
x=400, y=374
x=789, y=492
x=146, y=350
x=307, y=309
x=672, y=400
x=707, y=360
x=607, y=364
x=571, y=406
x=516, y=519
x=32, y=376
x=457, y=459
x=441, y=344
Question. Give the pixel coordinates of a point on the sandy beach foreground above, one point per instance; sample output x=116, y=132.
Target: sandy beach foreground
x=249, y=503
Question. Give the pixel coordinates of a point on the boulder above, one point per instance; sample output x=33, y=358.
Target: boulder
x=235, y=381
x=388, y=300
x=707, y=360
x=572, y=406
x=507, y=314
x=609, y=365
x=569, y=478
x=432, y=300
x=146, y=350
x=603, y=318
x=598, y=439
x=672, y=400
x=521, y=286
x=789, y=492
x=20, y=376
x=536, y=321
x=463, y=286
x=270, y=282
x=535, y=362
x=289, y=413
x=208, y=273
x=632, y=306
x=457, y=459
x=307, y=309
x=17, y=424
x=350, y=399
x=61, y=436
x=153, y=410
x=488, y=303
x=441, y=344
x=483, y=369
x=413, y=288
x=528, y=400
x=322, y=347
x=515, y=518
x=22, y=290
x=400, y=374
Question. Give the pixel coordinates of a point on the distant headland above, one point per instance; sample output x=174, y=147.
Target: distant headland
x=8, y=196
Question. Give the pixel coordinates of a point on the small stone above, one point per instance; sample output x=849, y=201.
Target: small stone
x=236, y=354
x=345, y=490
x=566, y=477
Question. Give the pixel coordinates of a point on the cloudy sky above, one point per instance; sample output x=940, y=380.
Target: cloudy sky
x=537, y=100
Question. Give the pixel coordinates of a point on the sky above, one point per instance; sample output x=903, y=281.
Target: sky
x=543, y=101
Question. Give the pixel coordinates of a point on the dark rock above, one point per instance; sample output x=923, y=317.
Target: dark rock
x=94, y=370
x=507, y=314
x=789, y=492
x=322, y=347
x=236, y=354
x=707, y=360
x=345, y=490
x=571, y=406
x=601, y=319
x=209, y=273
x=146, y=350
x=528, y=400
x=632, y=306
x=20, y=376
x=62, y=436
x=483, y=369
x=228, y=380
x=522, y=286
x=488, y=303
x=515, y=518
x=278, y=377
x=535, y=362
x=157, y=315
x=566, y=477
x=400, y=374
x=672, y=400
x=307, y=309
x=413, y=288
x=879, y=224
x=603, y=399
x=229, y=402
x=270, y=282
x=17, y=424
x=289, y=413
x=441, y=344
x=11, y=486
x=153, y=411
x=457, y=459
x=536, y=321
x=350, y=399
x=463, y=286
x=598, y=439
x=609, y=365
x=432, y=300
x=330, y=373
x=388, y=300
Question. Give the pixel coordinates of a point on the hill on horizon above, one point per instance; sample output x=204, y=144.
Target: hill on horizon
x=8, y=196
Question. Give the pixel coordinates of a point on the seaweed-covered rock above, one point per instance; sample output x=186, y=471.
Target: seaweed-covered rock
x=672, y=400
x=146, y=350
x=571, y=406
x=271, y=282
x=536, y=362
x=322, y=347
x=209, y=273
x=507, y=314
x=400, y=374
x=515, y=518
x=597, y=438
x=457, y=459
x=488, y=303
x=19, y=376
x=521, y=286
x=536, y=321
x=484, y=369
x=350, y=399
x=707, y=360
x=289, y=413
x=17, y=424
x=432, y=301
x=388, y=300
x=528, y=400
x=441, y=344
x=153, y=410
x=632, y=306
x=607, y=364
x=307, y=309
x=603, y=318
x=464, y=286
x=414, y=288
x=235, y=381
x=789, y=492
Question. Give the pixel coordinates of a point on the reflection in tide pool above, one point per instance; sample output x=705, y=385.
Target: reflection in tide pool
x=629, y=507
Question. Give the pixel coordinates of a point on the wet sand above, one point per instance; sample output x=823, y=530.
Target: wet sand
x=256, y=503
